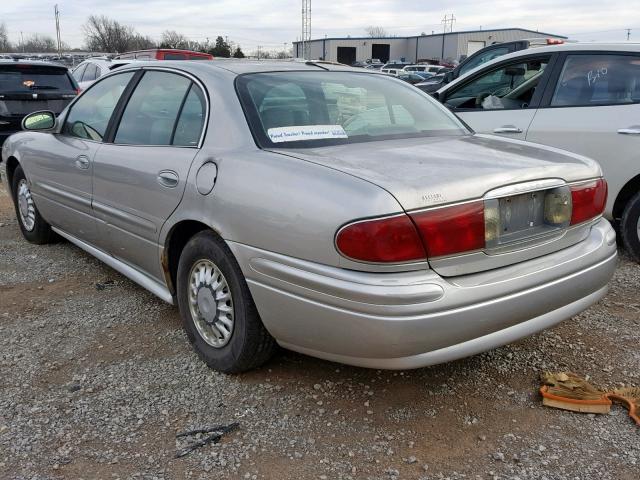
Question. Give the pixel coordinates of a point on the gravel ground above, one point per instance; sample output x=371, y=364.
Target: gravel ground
x=96, y=379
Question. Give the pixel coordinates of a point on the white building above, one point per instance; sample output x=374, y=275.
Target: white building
x=440, y=46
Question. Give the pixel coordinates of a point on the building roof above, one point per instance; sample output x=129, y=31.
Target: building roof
x=436, y=35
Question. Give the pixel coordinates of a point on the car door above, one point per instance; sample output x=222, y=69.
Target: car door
x=592, y=107
x=60, y=165
x=502, y=98
x=139, y=177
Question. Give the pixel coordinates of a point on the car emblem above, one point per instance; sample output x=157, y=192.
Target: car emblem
x=28, y=83
x=34, y=95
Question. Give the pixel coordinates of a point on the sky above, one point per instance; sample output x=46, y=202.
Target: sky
x=271, y=23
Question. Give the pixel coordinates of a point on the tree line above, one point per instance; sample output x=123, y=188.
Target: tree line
x=103, y=34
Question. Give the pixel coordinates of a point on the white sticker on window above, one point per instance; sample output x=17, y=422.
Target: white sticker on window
x=305, y=132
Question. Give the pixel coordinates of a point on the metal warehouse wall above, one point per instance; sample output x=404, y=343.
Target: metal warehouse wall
x=450, y=46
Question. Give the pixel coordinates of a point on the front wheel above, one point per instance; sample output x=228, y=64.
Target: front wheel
x=630, y=227
x=34, y=228
x=217, y=309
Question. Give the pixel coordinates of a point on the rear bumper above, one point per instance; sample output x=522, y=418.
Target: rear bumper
x=415, y=319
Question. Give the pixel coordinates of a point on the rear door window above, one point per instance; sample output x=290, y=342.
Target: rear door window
x=598, y=79
x=77, y=73
x=191, y=119
x=91, y=73
x=152, y=111
x=90, y=115
x=22, y=78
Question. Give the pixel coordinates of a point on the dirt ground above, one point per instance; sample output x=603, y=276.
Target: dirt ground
x=96, y=379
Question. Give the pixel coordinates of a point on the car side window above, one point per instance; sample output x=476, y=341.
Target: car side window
x=91, y=73
x=191, y=120
x=152, y=111
x=511, y=86
x=77, y=73
x=598, y=79
x=90, y=114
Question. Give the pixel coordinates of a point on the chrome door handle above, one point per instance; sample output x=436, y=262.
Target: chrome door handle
x=630, y=131
x=507, y=129
x=82, y=162
x=168, y=178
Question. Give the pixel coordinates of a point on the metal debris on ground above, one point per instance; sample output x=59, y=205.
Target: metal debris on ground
x=102, y=285
x=570, y=392
x=213, y=435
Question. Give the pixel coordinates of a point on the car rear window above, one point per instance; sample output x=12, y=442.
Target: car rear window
x=29, y=78
x=308, y=109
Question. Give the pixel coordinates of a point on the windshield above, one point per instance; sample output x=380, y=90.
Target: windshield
x=30, y=78
x=310, y=109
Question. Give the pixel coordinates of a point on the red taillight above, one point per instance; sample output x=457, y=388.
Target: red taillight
x=455, y=229
x=392, y=239
x=554, y=41
x=78, y=90
x=589, y=200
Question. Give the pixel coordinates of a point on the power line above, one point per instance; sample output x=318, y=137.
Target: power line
x=448, y=22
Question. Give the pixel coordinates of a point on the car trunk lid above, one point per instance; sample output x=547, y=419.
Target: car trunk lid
x=433, y=172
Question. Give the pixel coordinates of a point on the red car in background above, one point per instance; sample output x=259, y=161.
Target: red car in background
x=165, y=54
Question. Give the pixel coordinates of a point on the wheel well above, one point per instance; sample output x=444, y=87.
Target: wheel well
x=628, y=191
x=178, y=237
x=12, y=164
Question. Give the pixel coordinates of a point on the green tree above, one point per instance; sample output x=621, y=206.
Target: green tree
x=238, y=53
x=221, y=48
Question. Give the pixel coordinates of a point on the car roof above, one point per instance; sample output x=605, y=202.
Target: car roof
x=37, y=63
x=565, y=47
x=239, y=66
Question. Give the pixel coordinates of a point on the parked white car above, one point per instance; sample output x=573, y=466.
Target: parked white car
x=584, y=98
x=434, y=69
x=91, y=69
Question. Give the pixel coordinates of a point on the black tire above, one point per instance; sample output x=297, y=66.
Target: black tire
x=250, y=345
x=40, y=233
x=629, y=227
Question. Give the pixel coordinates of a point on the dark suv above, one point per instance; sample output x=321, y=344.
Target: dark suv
x=29, y=86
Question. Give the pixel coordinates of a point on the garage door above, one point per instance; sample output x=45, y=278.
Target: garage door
x=473, y=46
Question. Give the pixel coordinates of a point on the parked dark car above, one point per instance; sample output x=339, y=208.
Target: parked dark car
x=29, y=86
x=410, y=77
x=483, y=56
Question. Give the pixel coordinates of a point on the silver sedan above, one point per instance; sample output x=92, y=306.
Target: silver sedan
x=335, y=212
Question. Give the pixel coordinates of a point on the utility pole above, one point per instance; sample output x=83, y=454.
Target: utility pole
x=22, y=40
x=57, y=14
x=628, y=34
x=259, y=47
x=306, y=27
x=448, y=22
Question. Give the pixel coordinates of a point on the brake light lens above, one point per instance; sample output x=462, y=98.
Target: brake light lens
x=589, y=200
x=449, y=230
x=78, y=90
x=554, y=41
x=387, y=240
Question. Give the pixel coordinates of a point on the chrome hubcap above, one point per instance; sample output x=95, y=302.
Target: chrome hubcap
x=211, y=303
x=25, y=206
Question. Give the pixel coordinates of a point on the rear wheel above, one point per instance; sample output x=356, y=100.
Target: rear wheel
x=34, y=228
x=630, y=227
x=217, y=309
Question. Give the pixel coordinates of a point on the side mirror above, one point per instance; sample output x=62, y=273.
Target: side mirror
x=44, y=120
